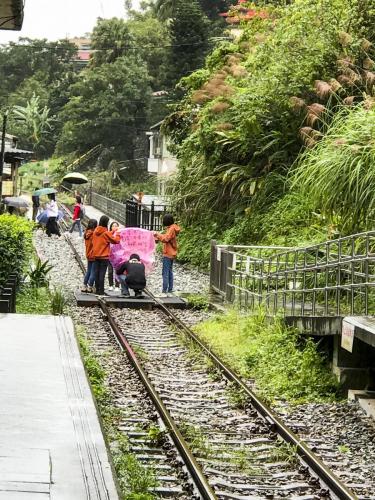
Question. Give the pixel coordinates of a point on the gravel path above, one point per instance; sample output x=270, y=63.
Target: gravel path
x=343, y=436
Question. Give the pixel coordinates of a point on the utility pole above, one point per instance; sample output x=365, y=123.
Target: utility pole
x=2, y=153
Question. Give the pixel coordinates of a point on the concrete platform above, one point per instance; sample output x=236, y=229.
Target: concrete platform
x=51, y=444
x=114, y=299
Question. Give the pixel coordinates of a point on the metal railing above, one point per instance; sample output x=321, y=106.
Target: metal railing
x=145, y=216
x=112, y=208
x=329, y=279
x=8, y=294
x=130, y=214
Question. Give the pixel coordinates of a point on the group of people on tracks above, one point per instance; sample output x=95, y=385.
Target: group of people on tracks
x=131, y=273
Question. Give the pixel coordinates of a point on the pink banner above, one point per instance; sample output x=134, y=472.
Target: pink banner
x=134, y=240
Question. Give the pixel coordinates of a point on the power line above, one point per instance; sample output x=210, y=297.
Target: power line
x=108, y=47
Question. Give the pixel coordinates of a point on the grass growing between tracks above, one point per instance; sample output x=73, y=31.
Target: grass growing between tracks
x=284, y=365
x=134, y=479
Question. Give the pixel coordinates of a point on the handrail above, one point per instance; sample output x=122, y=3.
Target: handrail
x=336, y=275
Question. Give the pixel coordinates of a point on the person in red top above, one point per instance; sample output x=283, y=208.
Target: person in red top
x=89, y=279
x=101, y=240
x=77, y=216
x=169, y=240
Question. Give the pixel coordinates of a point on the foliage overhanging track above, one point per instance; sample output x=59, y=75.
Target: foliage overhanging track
x=330, y=480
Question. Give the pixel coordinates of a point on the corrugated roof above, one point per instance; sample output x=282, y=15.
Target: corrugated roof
x=16, y=150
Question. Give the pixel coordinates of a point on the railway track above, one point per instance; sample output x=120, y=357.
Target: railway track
x=238, y=454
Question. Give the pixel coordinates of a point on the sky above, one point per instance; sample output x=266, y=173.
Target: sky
x=55, y=19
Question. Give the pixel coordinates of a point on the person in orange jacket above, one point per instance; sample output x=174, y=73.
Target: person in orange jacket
x=170, y=247
x=101, y=240
x=89, y=279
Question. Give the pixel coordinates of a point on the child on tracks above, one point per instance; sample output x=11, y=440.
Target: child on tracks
x=132, y=275
x=101, y=240
x=169, y=240
x=89, y=279
x=113, y=226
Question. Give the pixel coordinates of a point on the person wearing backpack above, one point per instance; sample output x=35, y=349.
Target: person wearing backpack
x=78, y=214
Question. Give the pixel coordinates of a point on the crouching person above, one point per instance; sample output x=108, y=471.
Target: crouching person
x=131, y=274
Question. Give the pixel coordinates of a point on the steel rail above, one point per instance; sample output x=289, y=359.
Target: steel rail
x=199, y=478
x=330, y=480
x=191, y=464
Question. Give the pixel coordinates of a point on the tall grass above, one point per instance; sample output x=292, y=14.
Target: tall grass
x=338, y=174
x=284, y=364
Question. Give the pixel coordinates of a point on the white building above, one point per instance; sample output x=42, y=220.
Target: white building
x=161, y=161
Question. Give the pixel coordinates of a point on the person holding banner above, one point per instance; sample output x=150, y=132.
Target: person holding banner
x=89, y=279
x=101, y=240
x=169, y=240
x=112, y=283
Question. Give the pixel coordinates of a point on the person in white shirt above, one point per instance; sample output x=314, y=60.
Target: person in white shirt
x=52, y=213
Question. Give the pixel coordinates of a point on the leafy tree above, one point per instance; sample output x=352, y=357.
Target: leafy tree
x=43, y=60
x=34, y=122
x=30, y=87
x=108, y=106
x=189, y=40
x=151, y=39
x=212, y=8
x=111, y=39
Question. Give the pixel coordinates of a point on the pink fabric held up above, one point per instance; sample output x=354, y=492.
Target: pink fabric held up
x=134, y=240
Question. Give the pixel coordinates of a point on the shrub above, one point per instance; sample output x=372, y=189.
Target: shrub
x=194, y=244
x=297, y=54
x=39, y=274
x=15, y=245
x=284, y=364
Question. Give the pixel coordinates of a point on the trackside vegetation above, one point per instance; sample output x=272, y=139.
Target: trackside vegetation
x=285, y=365
x=258, y=125
x=15, y=245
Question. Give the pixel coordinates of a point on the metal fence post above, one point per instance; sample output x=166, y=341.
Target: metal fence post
x=152, y=215
x=229, y=275
x=139, y=214
x=213, y=267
